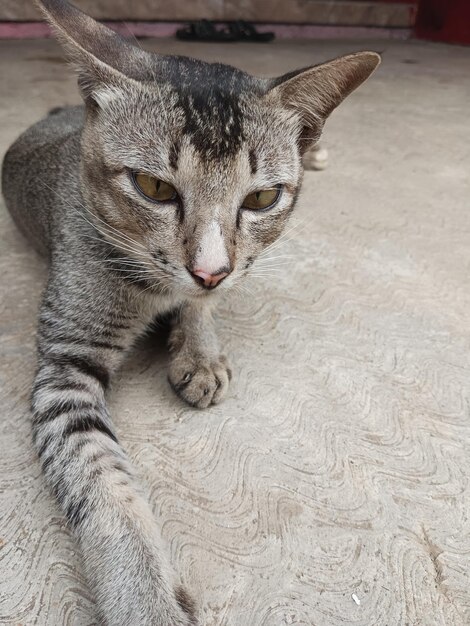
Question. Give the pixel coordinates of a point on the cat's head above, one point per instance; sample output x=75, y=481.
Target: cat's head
x=192, y=169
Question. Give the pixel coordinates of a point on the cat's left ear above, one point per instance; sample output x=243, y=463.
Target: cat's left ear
x=316, y=91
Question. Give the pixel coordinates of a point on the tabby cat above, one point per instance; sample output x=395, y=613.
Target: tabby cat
x=156, y=196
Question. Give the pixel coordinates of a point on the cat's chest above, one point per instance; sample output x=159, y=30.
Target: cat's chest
x=159, y=305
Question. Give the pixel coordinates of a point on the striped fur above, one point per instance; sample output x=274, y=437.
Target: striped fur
x=116, y=262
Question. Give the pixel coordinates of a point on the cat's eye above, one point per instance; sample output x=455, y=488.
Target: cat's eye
x=262, y=199
x=154, y=188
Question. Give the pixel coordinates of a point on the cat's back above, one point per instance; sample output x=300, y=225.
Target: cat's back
x=41, y=173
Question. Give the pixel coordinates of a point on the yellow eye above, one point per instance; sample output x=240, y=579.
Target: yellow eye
x=262, y=199
x=153, y=188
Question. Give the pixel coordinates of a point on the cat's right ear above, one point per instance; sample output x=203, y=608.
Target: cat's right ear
x=104, y=59
x=315, y=92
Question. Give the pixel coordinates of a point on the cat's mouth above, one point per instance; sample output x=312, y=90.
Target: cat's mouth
x=200, y=292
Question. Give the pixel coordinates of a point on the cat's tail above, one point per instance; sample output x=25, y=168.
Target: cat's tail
x=95, y=486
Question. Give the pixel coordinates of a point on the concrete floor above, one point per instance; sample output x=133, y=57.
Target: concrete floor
x=340, y=462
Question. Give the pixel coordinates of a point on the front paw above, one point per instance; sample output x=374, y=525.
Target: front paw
x=198, y=380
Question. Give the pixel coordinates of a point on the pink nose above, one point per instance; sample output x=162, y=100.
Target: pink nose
x=207, y=280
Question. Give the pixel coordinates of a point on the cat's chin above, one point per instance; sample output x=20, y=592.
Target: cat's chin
x=197, y=293
x=203, y=294
x=199, y=296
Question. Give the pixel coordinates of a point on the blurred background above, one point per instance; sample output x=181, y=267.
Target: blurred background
x=439, y=20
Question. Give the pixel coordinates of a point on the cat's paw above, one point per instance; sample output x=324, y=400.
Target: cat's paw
x=199, y=381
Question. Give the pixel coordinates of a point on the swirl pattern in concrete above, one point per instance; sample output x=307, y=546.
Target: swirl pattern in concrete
x=332, y=487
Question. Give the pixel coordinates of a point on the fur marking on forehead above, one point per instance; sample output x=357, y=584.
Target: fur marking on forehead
x=211, y=97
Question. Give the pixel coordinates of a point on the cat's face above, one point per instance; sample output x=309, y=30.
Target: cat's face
x=192, y=192
x=191, y=168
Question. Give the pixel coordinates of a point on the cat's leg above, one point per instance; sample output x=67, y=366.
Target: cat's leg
x=84, y=331
x=315, y=158
x=198, y=372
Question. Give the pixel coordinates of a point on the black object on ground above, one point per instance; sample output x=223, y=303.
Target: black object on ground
x=205, y=30
x=244, y=31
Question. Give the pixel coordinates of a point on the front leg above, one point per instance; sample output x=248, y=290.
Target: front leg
x=86, y=326
x=199, y=373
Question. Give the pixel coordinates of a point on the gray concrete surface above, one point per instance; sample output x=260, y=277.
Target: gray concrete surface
x=340, y=462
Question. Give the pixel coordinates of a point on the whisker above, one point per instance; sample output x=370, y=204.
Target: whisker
x=279, y=256
x=118, y=244
x=267, y=263
x=276, y=245
x=94, y=217
x=123, y=239
x=124, y=261
x=268, y=268
x=115, y=240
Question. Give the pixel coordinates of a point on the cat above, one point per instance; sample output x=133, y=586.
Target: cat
x=156, y=196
